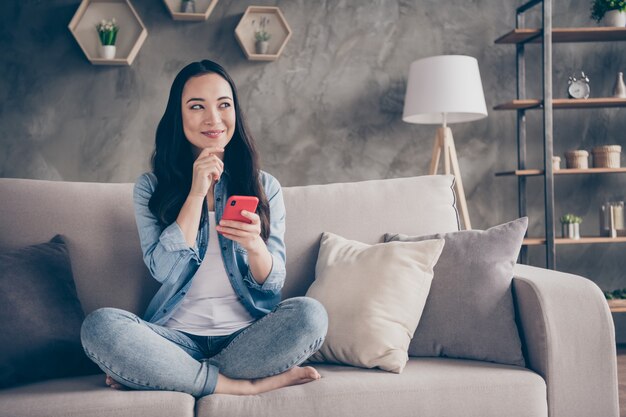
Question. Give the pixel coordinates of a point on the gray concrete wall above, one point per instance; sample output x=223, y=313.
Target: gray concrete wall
x=328, y=110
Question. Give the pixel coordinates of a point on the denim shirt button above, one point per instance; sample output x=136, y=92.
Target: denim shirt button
x=224, y=248
x=218, y=199
x=183, y=293
x=230, y=275
x=165, y=310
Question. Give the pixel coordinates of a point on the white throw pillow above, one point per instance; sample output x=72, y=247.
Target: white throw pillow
x=374, y=296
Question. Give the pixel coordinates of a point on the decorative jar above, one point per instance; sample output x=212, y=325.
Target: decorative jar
x=607, y=156
x=577, y=159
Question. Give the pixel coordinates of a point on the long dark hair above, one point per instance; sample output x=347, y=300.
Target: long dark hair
x=172, y=160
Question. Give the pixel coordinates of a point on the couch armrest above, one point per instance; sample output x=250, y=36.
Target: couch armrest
x=569, y=339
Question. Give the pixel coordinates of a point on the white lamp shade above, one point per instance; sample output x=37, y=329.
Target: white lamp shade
x=447, y=84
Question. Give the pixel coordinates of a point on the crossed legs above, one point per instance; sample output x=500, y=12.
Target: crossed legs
x=262, y=357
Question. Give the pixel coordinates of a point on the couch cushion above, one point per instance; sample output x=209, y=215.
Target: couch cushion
x=89, y=396
x=428, y=387
x=374, y=296
x=362, y=211
x=469, y=313
x=41, y=316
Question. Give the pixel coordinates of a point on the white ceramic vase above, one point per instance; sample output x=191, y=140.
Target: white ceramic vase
x=107, y=51
x=619, y=89
x=262, y=47
x=614, y=18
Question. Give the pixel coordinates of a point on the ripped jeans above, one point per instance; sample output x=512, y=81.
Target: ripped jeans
x=146, y=356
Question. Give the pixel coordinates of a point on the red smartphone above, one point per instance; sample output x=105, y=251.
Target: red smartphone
x=236, y=203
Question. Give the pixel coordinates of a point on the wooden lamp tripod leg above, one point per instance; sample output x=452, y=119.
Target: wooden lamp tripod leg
x=434, y=160
x=445, y=142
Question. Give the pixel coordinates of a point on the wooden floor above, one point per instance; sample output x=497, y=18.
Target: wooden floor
x=621, y=376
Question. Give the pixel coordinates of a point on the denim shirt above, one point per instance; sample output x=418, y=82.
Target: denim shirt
x=173, y=263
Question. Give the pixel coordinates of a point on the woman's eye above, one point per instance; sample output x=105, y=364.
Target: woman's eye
x=195, y=107
x=224, y=105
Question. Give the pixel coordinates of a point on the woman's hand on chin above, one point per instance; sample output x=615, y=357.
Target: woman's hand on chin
x=207, y=169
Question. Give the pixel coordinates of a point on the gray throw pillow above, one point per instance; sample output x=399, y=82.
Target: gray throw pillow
x=41, y=316
x=469, y=312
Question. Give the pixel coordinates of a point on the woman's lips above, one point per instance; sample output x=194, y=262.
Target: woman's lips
x=213, y=134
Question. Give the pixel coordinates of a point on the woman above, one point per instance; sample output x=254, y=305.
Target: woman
x=216, y=325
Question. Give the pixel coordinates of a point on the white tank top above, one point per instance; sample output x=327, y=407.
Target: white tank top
x=211, y=306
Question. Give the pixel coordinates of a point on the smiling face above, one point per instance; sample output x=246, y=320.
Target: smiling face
x=208, y=112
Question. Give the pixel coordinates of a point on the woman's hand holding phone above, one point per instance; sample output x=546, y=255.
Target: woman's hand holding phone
x=241, y=224
x=207, y=168
x=248, y=235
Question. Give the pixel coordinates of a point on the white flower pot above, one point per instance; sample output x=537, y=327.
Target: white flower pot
x=262, y=47
x=107, y=51
x=188, y=6
x=614, y=18
x=570, y=230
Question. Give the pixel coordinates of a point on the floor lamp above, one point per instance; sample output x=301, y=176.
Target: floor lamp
x=443, y=90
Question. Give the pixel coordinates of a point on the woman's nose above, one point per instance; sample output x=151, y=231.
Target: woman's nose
x=212, y=117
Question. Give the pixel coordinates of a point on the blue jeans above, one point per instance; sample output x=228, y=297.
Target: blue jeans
x=146, y=356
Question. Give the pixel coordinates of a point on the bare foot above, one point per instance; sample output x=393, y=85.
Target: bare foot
x=294, y=376
x=114, y=384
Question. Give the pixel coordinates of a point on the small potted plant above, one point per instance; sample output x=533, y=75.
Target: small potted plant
x=570, y=226
x=611, y=12
x=188, y=6
x=107, y=32
x=262, y=36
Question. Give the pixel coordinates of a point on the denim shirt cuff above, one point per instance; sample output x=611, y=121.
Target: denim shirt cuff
x=173, y=240
x=273, y=283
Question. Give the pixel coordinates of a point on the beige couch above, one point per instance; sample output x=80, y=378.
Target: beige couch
x=566, y=327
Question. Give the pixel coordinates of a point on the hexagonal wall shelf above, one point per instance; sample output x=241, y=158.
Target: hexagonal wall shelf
x=277, y=27
x=130, y=38
x=203, y=9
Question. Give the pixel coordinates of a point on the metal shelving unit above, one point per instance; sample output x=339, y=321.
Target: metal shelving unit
x=546, y=36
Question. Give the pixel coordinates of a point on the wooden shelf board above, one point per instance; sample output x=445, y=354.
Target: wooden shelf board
x=263, y=57
x=520, y=172
x=533, y=241
x=114, y=61
x=563, y=103
x=567, y=171
x=562, y=35
x=563, y=171
x=519, y=104
x=617, y=305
